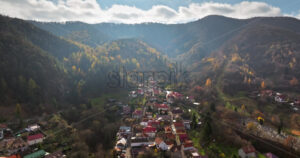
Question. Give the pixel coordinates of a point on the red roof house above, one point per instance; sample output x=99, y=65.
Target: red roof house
x=35, y=139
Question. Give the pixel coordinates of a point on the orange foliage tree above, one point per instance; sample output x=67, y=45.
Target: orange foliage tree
x=262, y=85
x=294, y=81
x=208, y=82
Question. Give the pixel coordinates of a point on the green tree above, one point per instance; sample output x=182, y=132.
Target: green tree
x=194, y=122
x=22, y=87
x=207, y=129
x=3, y=88
x=32, y=91
x=18, y=113
x=280, y=126
x=213, y=107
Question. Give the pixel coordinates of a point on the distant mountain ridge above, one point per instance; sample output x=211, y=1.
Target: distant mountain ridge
x=40, y=68
x=235, y=54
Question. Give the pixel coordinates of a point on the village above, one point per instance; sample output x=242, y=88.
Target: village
x=153, y=124
x=159, y=128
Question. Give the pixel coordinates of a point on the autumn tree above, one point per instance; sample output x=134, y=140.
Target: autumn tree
x=262, y=85
x=290, y=141
x=294, y=82
x=208, y=82
x=260, y=120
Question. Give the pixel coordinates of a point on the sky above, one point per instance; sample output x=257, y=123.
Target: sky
x=143, y=11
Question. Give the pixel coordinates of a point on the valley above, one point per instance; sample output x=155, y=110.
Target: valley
x=215, y=87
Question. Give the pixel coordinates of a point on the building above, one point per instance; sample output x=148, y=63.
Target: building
x=188, y=145
x=162, y=107
x=247, y=152
x=160, y=144
x=149, y=131
x=281, y=98
x=140, y=141
x=56, y=154
x=270, y=155
x=38, y=154
x=35, y=139
x=126, y=110
x=13, y=146
x=2, y=128
x=33, y=128
x=137, y=114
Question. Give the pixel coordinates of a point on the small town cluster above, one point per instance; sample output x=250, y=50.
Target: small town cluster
x=159, y=128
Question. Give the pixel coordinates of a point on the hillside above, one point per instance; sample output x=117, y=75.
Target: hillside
x=264, y=50
x=35, y=60
x=93, y=68
x=76, y=31
x=28, y=73
x=172, y=39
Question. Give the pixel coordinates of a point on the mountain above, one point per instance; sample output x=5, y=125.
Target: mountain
x=236, y=54
x=97, y=70
x=41, y=69
x=30, y=71
x=265, y=49
x=76, y=31
x=172, y=39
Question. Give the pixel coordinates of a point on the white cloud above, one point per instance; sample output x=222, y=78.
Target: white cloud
x=91, y=12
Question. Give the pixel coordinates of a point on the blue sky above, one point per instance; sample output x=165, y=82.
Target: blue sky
x=286, y=5
x=141, y=11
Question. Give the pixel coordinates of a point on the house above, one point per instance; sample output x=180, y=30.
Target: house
x=13, y=146
x=35, y=139
x=38, y=154
x=126, y=110
x=270, y=155
x=281, y=98
x=170, y=98
x=162, y=107
x=177, y=111
x=266, y=93
x=140, y=141
x=125, y=130
x=56, y=154
x=133, y=94
x=163, y=117
x=168, y=129
x=153, y=123
x=188, y=145
x=33, y=128
x=1, y=134
x=183, y=137
x=297, y=102
x=137, y=114
x=5, y=132
x=160, y=144
x=178, y=125
x=140, y=91
x=190, y=98
x=187, y=124
x=247, y=152
x=155, y=91
x=149, y=131
x=13, y=156
x=121, y=144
